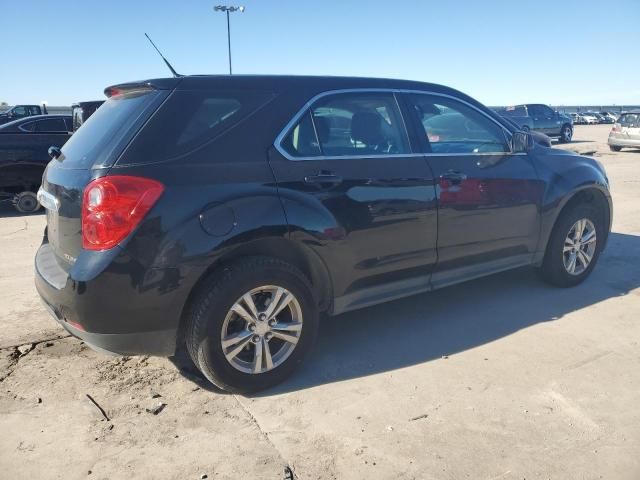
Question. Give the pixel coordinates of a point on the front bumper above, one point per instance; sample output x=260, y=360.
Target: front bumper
x=100, y=313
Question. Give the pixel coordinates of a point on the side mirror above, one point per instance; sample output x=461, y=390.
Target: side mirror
x=521, y=142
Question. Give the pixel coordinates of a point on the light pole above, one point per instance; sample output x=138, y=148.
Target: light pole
x=227, y=10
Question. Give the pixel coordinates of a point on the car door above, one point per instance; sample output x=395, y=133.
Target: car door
x=544, y=119
x=488, y=198
x=356, y=193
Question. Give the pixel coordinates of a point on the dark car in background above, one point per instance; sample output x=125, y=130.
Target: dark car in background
x=539, y=138
x=224, y=214
x=20, y=111
x=24, y=146
x=81, y=112
x=540, y=118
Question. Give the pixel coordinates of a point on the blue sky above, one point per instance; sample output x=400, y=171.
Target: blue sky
x=500, y=52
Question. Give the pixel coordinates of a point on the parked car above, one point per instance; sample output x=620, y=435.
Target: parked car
x=81, y=112
x=21, y=111
x=24, y=144
x=610, y=116
x=538, y=137
x=541, y=118
x=625, y=132
x=588, y=119
x=226, y=213
x=576, y=118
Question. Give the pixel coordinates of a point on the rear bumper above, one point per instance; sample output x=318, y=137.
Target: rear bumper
x=623, y=142
x=122, y=324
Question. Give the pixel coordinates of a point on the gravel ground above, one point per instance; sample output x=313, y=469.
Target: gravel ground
x=500, y=378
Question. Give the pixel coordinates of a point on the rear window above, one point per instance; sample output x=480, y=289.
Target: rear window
x=103, y=136
x=630, y=120
x=190, y=120
x=517, y=111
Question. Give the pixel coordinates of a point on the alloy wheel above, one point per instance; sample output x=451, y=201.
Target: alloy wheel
x=261, y=329
x=579, y=246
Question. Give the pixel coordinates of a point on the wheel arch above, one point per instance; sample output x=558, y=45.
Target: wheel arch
x=294, y=253
x=592, y=194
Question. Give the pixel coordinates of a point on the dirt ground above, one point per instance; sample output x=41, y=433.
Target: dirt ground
x=500, y=378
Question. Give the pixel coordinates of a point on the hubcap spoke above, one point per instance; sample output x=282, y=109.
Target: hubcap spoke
x=235, y=351
x=257, y=358
x=233, y=339
x=267, y=354
x=585, y=257
x=285, y=300
x=287, y=337
x=287, y=327
x=589, y=237
x=275, y=299
x=248, y=300
x=240, y=310
x=572, y=262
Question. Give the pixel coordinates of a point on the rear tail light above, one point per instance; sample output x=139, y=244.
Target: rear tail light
x=113, y=206
x=616, y=127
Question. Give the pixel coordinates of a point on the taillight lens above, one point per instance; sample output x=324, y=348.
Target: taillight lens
x=113, y=206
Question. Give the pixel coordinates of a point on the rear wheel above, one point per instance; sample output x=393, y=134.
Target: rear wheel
x=566, y=134
x=574, y=246
x=615, y=148
x=252, y=324
x=26, y=202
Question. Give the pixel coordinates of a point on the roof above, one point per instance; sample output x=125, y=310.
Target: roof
x=281, y=83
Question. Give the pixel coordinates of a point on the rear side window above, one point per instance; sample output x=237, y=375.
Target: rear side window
x=517, y=111
x=51, y=125
x=189, y=120
x=631, y=120
x=103, y=136
x=348, y=125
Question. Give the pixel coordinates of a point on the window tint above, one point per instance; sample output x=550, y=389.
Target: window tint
x=302, y=140
x=362, y=124
x=51, y=125
x=190, y=119
x=22, y=111
x=107, y=129
x=34, y=110
x=517, y=111
x=540, y=111
x=28, y=127
x=453, y=127
x=630, y=120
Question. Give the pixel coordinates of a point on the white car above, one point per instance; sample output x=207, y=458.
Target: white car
x=588, y=119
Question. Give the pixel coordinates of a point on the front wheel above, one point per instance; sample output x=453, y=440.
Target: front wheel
x=574, y=246
x=566, y=134
x=252, y=324
x=615, y=148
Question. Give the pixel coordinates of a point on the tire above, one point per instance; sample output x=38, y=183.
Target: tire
x=566, y=134
x=26, y=202
x=615, y=148
x=210, y=318
x=554, y=269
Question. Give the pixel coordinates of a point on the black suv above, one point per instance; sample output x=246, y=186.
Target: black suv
x=227, y=213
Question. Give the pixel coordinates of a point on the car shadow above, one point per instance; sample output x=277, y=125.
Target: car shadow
x=7, y=211
x=429, y=326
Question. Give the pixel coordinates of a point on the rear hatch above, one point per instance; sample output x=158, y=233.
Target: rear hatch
x=629, y=126
x=89, y=154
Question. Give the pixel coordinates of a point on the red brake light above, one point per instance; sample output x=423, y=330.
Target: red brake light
x=113, y=206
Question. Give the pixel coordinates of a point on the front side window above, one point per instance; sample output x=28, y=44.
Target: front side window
x=20, y=111
x=453, y=127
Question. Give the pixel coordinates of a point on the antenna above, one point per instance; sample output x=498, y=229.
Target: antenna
x=175, y=74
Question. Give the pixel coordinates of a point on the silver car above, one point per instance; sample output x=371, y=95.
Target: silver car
x=626, y=131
